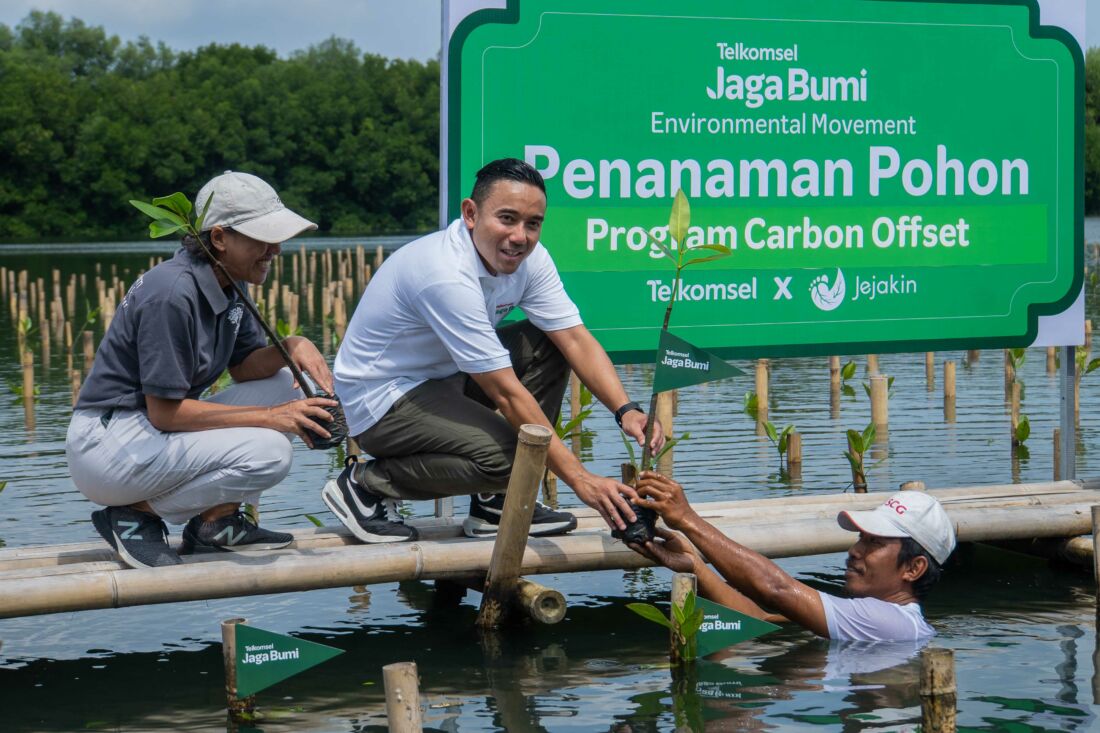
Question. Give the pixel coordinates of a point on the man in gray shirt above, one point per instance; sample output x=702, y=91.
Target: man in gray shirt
x=143, y=444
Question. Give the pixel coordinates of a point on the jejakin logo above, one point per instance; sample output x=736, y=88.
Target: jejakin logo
x=235, y=317
x=824, y=297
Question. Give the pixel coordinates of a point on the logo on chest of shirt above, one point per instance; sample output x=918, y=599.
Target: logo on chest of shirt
x=235, y=318
x=137, y=284
x=503, y=309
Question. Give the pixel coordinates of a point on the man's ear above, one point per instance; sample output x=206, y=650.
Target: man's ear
x=915, y=569
x=469, y=212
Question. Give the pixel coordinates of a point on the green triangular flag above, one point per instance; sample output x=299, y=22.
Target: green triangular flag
x=679, y=364
x=723, y=627
x=264, y=658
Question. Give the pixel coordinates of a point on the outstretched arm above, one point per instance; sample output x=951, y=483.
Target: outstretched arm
x=747, y=572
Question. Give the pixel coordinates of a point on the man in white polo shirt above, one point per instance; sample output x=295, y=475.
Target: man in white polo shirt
x=902, y=546
x=435, y=392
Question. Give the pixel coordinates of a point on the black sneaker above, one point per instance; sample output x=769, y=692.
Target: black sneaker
x=371, y=517
x=233, y=533
x=140, y=539
x=486, y=510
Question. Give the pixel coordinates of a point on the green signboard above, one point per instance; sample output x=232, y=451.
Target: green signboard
x=891, y=174
x=723, y=627
x=264, y=658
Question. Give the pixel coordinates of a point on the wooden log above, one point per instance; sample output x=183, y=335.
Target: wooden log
x=938, y=702
x=379, y=255
x=515, y=523
x=682, y=584
x=237, y=707
x=1014, y=413
x=834, y=373
x=1052, y=360
x=664, y=417
x=872, y=365
x=89, y=350
x=880, y=401
x=794, y=450
x=75, y=376
x=1010, y=373
x=402, y=697
x=930, y=370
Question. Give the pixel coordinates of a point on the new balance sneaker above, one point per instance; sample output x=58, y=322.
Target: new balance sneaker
x=371, y=517
x=233, y=533
x=140, y=539
x=486, y=510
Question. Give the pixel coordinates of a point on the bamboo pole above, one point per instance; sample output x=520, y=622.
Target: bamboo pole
x=575, y=441
x=794, y=454
x=89, y=350
x=550, y=489
x=515, y=523
x=237, y=707
x=28, y=389
x=930, y=370
x=682, y=584
x=761, y=392
x=664, y=417
x=938, y=699
x=75, y=376
x=379, y=254
x=972, y=357
x=402, y=697
x=949, y=391
x=880, y=401
x=834, y=387
x=1057, y=454
x=1014, y=413
x=872, y=365
x=539, y=603
x=1052, y=360
x=1010, y=373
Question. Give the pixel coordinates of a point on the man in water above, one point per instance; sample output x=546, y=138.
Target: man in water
x=898, y=557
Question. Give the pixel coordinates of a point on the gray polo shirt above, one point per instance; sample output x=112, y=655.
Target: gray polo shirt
x=172, y=336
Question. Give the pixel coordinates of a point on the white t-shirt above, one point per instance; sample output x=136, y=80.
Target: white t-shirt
x=869, y=619
x=430, y=312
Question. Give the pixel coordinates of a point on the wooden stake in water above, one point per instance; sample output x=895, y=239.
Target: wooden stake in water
x=972, y=357
x=402, y=697
x=938, y=700
x=1057, y=454
x=761, y=391
x=89, y=350
x=664, y=417
x=574, y=410
x=515, y=523
x=949, y=391
x=834, y=386
x=1014, y=412
x=1052, y=360
x=1010, y=374
x=682, y=584
x=28, y=389
x=238, y=708
x=930, y=370
x=880, y=402
x=75, y=376
x=794, y=454
x=872, y=365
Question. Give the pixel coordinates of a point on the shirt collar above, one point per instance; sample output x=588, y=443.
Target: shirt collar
x=207, y=282
x=462, y=232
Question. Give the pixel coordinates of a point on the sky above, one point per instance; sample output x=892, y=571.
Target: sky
x=407, y=29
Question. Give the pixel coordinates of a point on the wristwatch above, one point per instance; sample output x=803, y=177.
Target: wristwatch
x=625, y=409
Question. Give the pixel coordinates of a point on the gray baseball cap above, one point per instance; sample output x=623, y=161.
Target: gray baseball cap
x=250, y=206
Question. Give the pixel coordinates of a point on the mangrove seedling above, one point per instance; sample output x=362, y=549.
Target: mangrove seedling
x=1020, y=436
x=3, y=484
x=684, y=624
x=780, y=439
x=670, y=443
x=858, y=443
x=889, y=387
x=17, y=390
x=846, y=373
x=574, y=427
x=283, y=329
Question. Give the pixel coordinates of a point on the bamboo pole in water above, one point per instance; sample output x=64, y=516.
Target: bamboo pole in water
x=75, y=376
x=1052, y=360
x=89, y=350
x=664, y=417
x=1010, y=374
x=682, y=584
x=938, y=698
x=402, y=697
x=761, y=378
x=949, y=391
x=1014, y=413
x=28, y=389
x=794, y=454
x=574, y=410
x=1057, y=454
x=237, y=707
x=930, y=370
x=880, y=402
x=515, y=524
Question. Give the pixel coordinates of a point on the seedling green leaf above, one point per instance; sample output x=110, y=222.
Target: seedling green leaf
x=680, y=219
x=1023, y=429
x=314, y=520
x=651, y=613
x=848, y=371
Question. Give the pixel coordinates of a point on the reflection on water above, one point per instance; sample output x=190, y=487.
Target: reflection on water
x=1023, y=634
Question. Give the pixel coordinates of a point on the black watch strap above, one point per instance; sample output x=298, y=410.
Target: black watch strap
x=625, y=409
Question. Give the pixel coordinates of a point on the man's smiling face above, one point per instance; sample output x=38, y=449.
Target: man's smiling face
x=506, y=226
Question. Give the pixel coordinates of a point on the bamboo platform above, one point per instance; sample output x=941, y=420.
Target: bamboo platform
x=75, y=577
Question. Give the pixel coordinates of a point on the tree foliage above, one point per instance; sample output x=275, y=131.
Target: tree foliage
x=1092, y=131
x=87, y=123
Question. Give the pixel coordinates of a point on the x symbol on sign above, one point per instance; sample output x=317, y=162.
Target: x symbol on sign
x=781, y=284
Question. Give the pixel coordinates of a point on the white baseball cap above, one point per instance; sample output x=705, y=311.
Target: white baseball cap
x=907, y=514
x=250, y=206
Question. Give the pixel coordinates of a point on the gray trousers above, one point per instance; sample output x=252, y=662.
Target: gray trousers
x=445, y=437
x=124, y=459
